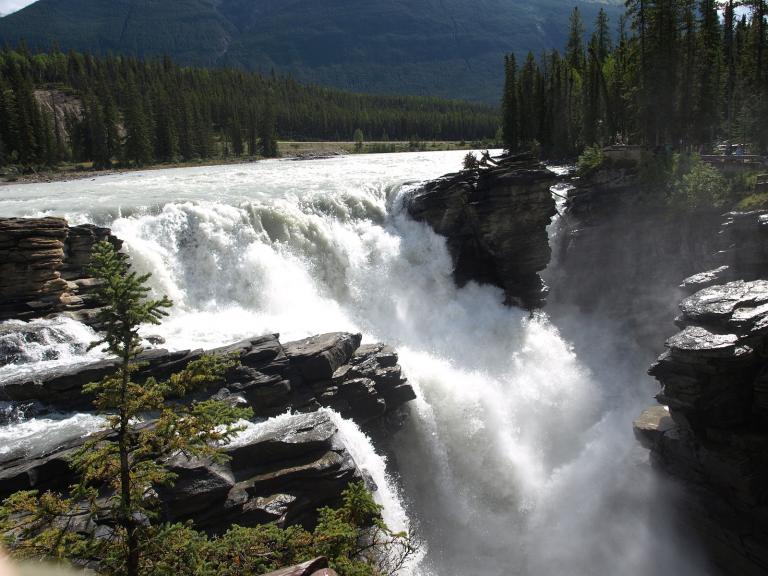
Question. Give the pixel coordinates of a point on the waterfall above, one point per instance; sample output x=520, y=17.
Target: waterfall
x=517, y=458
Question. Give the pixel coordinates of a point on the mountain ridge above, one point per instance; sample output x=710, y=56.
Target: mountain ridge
x=448, y=48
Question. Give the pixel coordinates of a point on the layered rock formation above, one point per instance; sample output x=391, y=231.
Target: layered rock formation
x=712, y=428
x=330, y=370
x=495, y=221
x=281, y=474
x=43, y=265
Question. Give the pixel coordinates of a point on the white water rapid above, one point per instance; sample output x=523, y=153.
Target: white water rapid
x=517, y=457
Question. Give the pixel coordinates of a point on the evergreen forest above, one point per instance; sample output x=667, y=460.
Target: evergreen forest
x=57, y=107
x=685, y=75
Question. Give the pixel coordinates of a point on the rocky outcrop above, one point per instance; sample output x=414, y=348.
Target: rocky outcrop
x=495, y=221
x=329, y=370
x=42, y=266
x=281, y=472
x=711, y=430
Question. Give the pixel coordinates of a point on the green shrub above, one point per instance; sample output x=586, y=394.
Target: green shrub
x=590, y=160
x=698, y=185
x=753, y=202
x=353, y=538
x=470, y=162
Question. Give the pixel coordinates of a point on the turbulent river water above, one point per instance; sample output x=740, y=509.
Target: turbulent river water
x=517, y=456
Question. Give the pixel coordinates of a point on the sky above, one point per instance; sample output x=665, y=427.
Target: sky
x=8, y=6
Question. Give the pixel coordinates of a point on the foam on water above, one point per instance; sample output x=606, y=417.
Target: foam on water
x=39, y=435
x=26, y=347
x=514, y=452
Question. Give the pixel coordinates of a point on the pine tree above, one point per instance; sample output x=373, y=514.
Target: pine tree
x=574, y=51
x=527, y=120
x=121, y=468
x=267, y=136
x=709, y=82
x=138, y=143
x=510, y=110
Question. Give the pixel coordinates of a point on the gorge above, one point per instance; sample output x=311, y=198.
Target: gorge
x=517, y=454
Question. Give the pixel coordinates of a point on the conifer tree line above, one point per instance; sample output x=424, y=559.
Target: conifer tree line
x=680, y=74
x=140, y=112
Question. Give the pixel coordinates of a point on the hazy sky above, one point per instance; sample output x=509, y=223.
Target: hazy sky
x=8, y=6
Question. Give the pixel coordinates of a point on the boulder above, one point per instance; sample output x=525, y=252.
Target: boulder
x=652, y=424
x=318, y=357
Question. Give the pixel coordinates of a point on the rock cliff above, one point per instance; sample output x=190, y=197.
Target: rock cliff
x=495, y=220
x=43, y=265
x=711, y=429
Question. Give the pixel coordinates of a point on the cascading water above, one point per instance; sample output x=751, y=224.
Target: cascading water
x=517, y=458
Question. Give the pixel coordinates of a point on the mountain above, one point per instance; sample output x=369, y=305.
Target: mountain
x=450, y=48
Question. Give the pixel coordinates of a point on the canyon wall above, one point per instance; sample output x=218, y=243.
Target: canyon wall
x=710, y=429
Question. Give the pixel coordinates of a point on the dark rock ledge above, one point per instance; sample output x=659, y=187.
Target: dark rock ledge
x=711, y=431
x=329, y=370
x=495, y=221
x=283, y=476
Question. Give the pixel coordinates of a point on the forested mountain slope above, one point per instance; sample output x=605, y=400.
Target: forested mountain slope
x=448, y=48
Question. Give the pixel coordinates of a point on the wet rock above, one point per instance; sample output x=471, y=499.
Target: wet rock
x=744, y=243
x=706, y=279
x=79, y=247
x=699, y=342
x=495, y=221
x=329, y=370
x=46, y=471
x=318, y=357
x=282, y=474
x=621, y=251
x=23, y=342
x=718, y=302
x=652, y=424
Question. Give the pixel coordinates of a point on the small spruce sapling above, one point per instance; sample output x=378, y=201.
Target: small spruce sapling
x=110, y=515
